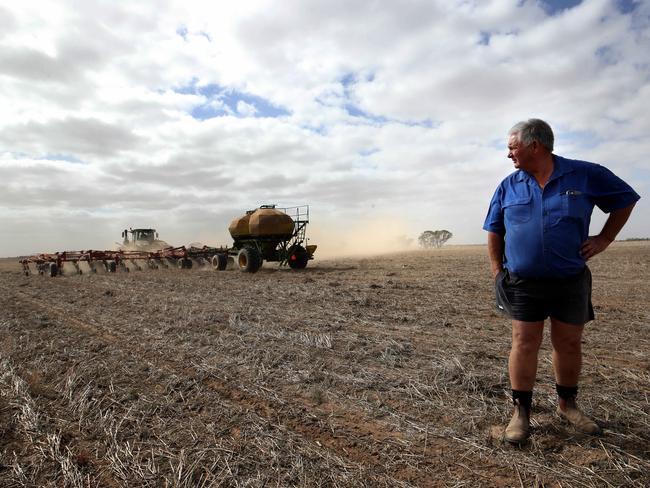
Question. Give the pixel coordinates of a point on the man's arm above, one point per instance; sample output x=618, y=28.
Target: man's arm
x=495, y=252
x=615, y=222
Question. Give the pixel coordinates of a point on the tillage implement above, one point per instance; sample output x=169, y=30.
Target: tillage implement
x=263, y=234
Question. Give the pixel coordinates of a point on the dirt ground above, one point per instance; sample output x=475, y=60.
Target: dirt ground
x=385, y=371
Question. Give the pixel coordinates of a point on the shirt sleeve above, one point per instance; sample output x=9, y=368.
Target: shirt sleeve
x=494, y=219
x=609, y=191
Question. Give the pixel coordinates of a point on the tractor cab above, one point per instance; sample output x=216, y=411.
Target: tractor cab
x=139, y=237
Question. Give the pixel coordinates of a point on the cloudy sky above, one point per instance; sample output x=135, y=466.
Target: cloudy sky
x=387, y=118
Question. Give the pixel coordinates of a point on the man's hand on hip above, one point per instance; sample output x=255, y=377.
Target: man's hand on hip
x=594, y=245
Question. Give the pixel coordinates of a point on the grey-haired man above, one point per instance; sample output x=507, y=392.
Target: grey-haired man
x=538, y=244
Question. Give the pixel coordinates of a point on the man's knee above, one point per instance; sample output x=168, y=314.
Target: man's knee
x=567, y=345
x=526, y=339
x=526, y=347
x=566, y=338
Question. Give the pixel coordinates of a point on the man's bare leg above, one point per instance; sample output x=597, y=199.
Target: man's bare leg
x=567, y=353
x=567, y=363
x=522, y=364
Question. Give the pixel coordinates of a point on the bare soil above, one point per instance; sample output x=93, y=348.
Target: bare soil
x=383, y=371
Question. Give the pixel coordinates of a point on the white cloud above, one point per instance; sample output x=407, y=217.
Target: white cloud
x=97, y=132
x=246, y=109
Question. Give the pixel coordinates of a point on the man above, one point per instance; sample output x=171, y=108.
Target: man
x=538, y=244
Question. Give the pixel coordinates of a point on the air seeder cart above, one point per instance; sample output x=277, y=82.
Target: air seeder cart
x=268, y=234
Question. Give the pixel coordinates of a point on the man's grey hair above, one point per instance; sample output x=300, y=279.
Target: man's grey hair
x=534, y=130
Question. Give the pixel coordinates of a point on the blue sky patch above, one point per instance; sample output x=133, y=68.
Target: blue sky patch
x=62, y=157
x=627, y=6
x=484, y=38
x=606, y=55
x=348, y=79
x=554, y=7
x=355, y=111
x=182, y=31
x=369, y=151
x=223, y=101
x=582, y=139
x=316, y=129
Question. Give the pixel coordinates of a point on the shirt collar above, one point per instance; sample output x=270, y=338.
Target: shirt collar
x=521, y=176
x=561, y=166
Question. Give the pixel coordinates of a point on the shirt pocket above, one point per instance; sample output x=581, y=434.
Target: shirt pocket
x=575, y=204
x=518, y=210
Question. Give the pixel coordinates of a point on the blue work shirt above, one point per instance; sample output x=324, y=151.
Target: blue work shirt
x=544, y=228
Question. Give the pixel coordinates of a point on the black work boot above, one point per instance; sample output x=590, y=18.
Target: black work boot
x=519, y=426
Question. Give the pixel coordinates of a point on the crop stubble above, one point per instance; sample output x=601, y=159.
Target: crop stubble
x=382, y=371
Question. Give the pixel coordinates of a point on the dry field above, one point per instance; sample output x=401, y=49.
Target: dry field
x=384, y=371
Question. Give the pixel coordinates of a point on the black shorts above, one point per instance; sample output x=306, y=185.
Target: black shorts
x=534, y=300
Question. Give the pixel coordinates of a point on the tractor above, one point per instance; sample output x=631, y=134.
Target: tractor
x=142, y=240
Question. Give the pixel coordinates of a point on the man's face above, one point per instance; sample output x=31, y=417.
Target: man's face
x=522, y=156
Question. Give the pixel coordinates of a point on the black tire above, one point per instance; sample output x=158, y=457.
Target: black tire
x=220, y=261
x=184, y=263
x=249, y=260
x=54, y=269
x=112, y=267
x=298, y=257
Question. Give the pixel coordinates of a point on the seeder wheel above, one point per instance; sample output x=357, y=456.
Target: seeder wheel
x=298, y=257
x=249, y=260
x=220, y=261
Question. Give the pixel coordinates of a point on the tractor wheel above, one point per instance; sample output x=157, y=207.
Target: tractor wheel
x=249, y=259
x=298, y=257
x=54, y=269
x=220, y=261
x=112, y=267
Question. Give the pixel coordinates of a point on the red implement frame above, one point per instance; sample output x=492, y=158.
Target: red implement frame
x=111, y=260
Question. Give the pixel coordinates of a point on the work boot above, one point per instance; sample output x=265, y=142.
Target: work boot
x=579, y=420
x=517, y=430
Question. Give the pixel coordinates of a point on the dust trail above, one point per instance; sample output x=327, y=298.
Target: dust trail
x=361, y=237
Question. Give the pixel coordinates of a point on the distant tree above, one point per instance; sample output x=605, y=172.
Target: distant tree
x=434, y=238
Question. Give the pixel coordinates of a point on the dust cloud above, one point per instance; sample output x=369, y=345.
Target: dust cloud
x=361, y=238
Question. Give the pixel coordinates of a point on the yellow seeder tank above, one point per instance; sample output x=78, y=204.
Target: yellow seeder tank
x=263, y=222
x=239, y=226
